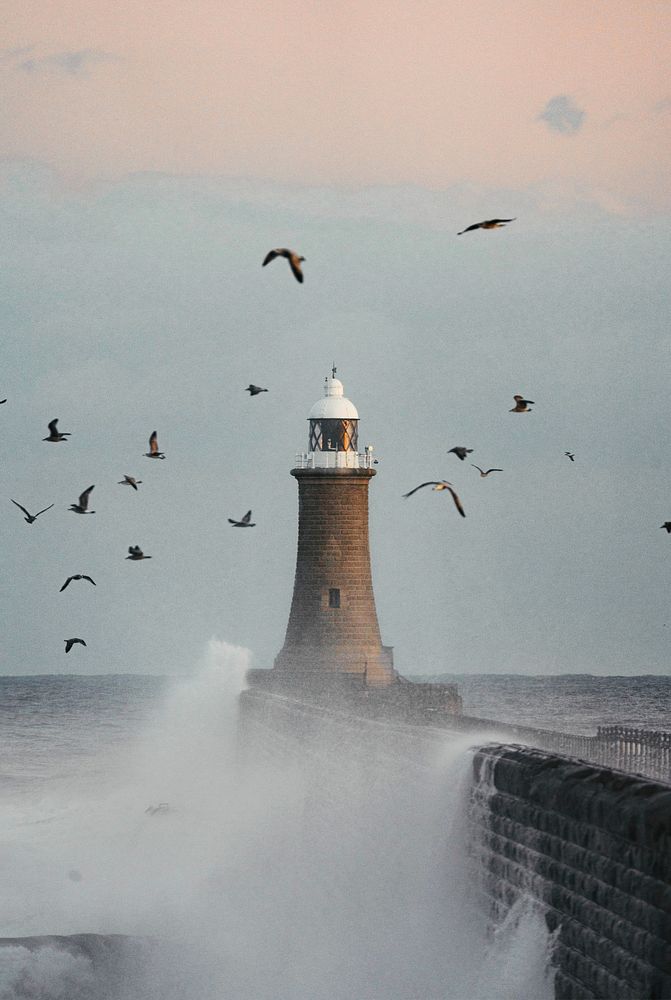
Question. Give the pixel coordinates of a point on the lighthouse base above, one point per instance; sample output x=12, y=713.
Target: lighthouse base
x=400, y=699
x=300, y=667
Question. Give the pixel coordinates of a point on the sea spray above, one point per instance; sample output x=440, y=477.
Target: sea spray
x=517, y=962
x=48, y=973
x=335, y=868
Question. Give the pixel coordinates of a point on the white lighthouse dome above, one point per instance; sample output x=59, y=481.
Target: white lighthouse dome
x=333, y=436
x=333, y=405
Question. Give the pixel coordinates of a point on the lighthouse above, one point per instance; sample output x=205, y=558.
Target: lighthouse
x=333, y=653
x=333, y=632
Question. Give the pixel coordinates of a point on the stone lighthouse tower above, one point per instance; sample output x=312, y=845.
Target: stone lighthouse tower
x=333, y=631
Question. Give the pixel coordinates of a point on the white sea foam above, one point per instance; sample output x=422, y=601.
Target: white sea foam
x=48, y=973
x=338, y=872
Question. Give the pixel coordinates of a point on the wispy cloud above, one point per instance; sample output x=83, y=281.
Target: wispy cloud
x=562, y=114
x=75, y=63
x=661, y=107
x=11, y=55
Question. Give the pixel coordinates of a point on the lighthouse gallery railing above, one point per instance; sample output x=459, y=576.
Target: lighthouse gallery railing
x=334, y=460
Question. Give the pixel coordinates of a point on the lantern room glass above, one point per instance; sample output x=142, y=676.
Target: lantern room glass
x=334, y=435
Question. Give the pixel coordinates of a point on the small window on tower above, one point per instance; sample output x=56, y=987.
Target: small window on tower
x=334, y=597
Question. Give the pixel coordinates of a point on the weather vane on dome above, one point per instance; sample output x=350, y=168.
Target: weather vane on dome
x=334, y=370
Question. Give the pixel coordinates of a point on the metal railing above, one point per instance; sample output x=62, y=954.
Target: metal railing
x=638, y=751
x=643, y=751
x=334, y=459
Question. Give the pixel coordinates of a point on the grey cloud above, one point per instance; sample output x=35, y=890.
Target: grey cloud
x=661, y=107
x=9, y=55
x=75, y=63
x=562, y=114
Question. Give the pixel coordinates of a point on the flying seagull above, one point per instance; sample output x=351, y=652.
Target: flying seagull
x=442, y=485
x=69, y=643
x=135, y=553
x=83, y=505
x=130, y=481
x=254, y=390
x=153, y=447
x=570, y=455
x=244, y=522
x=482, y=472
x=29, y=518
x=667, y=525
x=487, y=224
x=460, y=452
x=521, y=405
x=77, y=576
x=294, y=260
x=54, y=434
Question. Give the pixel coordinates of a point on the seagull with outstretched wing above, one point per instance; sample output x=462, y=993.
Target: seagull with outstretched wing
x=442, y=485
x=460, y=452
x=54, y=434
x=82, y=507
x=153, y=447
x=130, y=481
x=69, y=643
x=135, y=553
x=294, y=261
x=521, y=405
x=244, y=522
x=482, y=472
x=77, y=576
x=30, y=518
x=487, y=224
x=254, y=390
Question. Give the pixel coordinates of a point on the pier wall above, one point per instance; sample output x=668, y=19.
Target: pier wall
x=593, y=846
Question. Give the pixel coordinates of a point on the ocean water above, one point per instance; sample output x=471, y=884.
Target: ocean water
x=570, y=703
x=328, y=875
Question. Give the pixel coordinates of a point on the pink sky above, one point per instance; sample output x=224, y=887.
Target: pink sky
x=428, y=93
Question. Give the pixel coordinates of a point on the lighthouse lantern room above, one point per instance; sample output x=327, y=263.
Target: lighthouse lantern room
x=333, y=438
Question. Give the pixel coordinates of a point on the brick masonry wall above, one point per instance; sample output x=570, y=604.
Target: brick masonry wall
x=333, y=554
x=593, y=846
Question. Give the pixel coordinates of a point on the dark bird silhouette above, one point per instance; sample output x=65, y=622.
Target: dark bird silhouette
x=254, y=390
x=77, y=576
x=488, y=224
x=570, y=455
x=294, y=261
x=69, y=643
x=460, y=452
x=244, y=522
x=153, y=447
x=136, y=553
x=83, y=506
x=54, y=434
x=521, y=405
x=482, y=472
x=442, y=485
x=2, y=401
x=130, y=481
x=667, y=525
x=30, y=518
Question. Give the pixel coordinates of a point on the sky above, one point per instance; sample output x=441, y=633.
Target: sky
x=151, y=154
